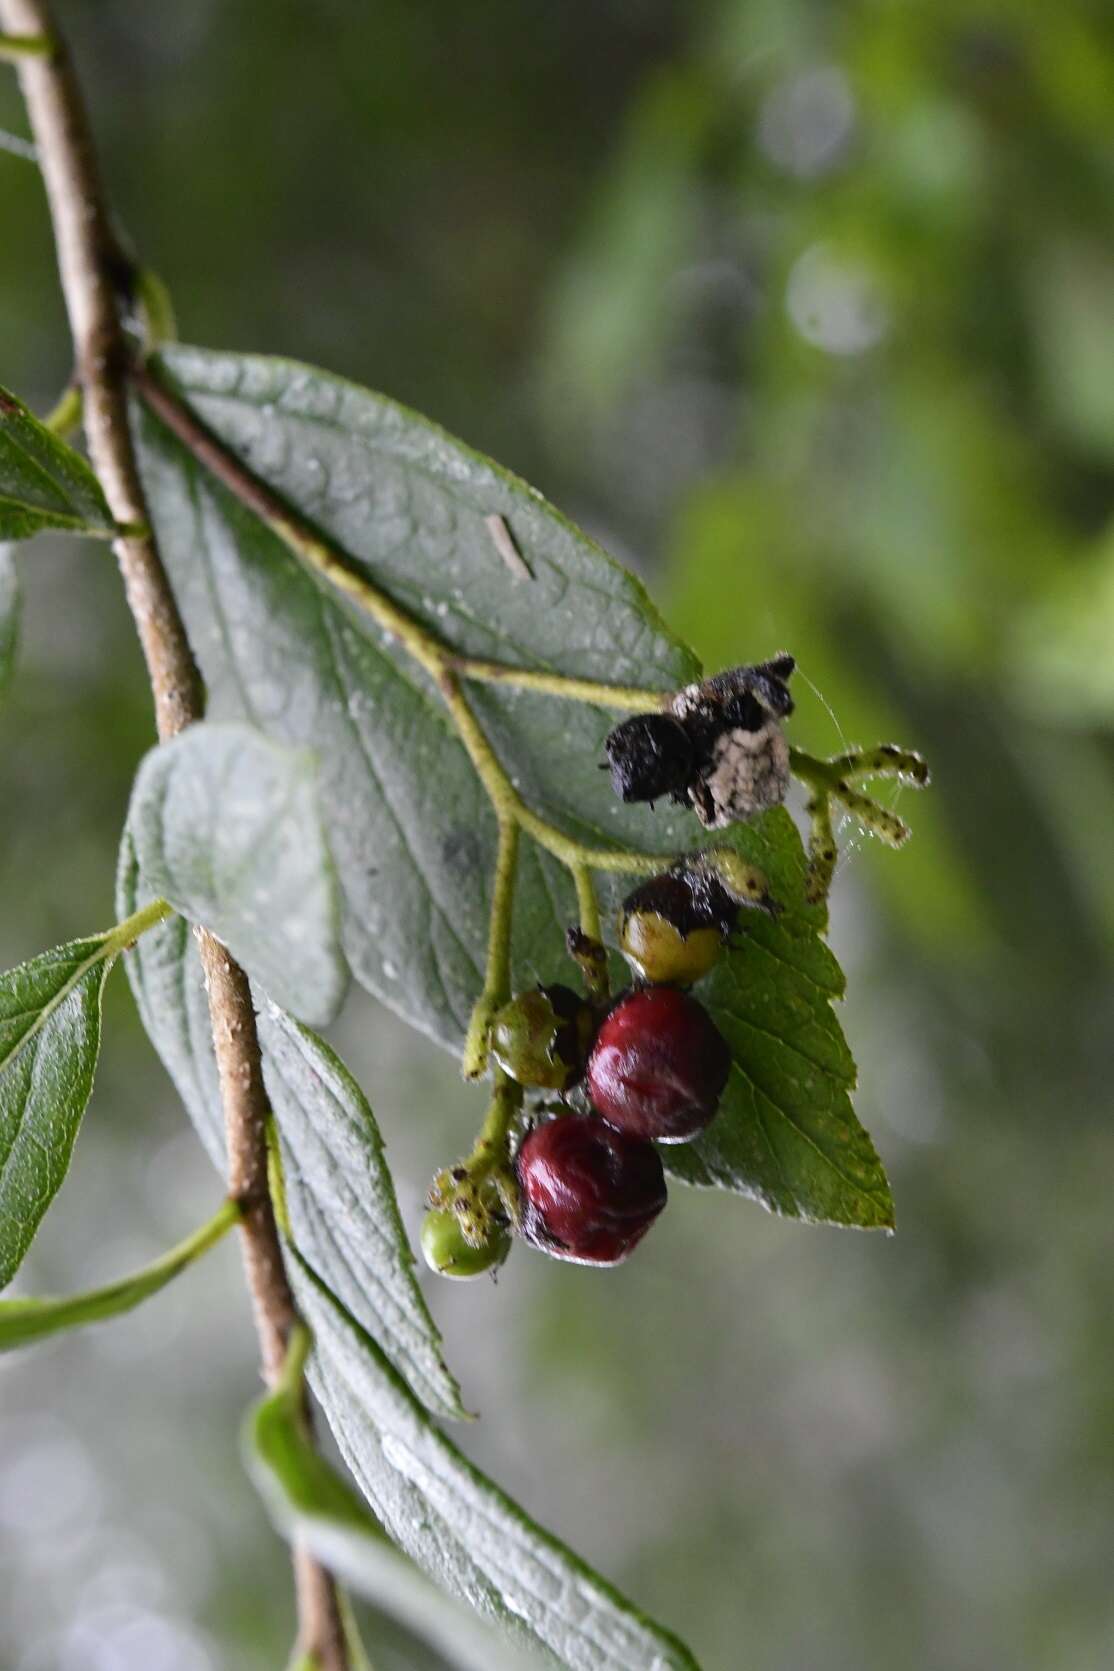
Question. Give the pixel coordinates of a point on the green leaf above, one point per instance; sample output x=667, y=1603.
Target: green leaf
x=785, y=1133
x=341, y=1203
x=50, y=1029
x=9, y=614
x=339, y=1195
x=226, y=827
x=409, y=823
x=164, y=971
x=410, y=827
x=470, y=1538
x=25, y=1320
x=43, y=482
x=310, y=1503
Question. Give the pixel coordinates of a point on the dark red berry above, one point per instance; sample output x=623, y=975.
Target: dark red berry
x=589, y=1193
x=658, y=1066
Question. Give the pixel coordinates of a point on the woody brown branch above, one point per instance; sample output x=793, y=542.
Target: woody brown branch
x=91, y=271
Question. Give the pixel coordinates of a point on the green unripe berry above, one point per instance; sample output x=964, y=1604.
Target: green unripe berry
x=659, y=953
x=542, y=1037
x=449, y=1252
x=668, y=934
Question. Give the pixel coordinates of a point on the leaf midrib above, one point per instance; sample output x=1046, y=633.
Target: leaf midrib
x=54, y=1003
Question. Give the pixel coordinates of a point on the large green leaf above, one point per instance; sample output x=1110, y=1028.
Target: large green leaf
x=50, y=1030
x=471, y=1539
x=25, y=1320
x=310, y=1502
x=409, y=825
x=341, y=1203
x=44, y=483
x=9, y=614
x=226, y=827
x=339, y=1195
x=786, y=1132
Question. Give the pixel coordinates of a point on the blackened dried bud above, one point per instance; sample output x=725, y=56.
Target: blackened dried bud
x=672, y=932
x=588, y=1193
x=650, y=756
x=542, y=1037
x=659, y=1066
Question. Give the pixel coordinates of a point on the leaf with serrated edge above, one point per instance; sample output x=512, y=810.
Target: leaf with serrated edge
x=470, y=1538
x=226, y=826
x=341, y=1202
x=50, y=1030
x=409, y=824
x=310, y=1502
x=339, y=1192
x=785, y=1132
x=43, y=482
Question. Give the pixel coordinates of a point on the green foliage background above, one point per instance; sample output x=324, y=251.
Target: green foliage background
x=808, y=312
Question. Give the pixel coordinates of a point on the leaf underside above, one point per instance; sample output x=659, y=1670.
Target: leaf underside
x=226, y=827
x=341, y=1203
x=50, y=1026
x=408, y=821
x=43, y=482
x=339, y=1193
x=312, y=1504
x=455, y=1523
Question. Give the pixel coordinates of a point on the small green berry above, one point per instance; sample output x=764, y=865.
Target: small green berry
x=542, y=1037
x=448, y=1251
x=668, y=931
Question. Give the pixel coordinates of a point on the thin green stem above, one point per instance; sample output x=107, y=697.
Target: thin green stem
x=587, y=948
x=125, y=934
x=299, y=1343
x=630, y=698
x=508, y=803
x=587, y=903
x=24, y=1320
x=497, y=974
x=15, y=49
x=64, y=417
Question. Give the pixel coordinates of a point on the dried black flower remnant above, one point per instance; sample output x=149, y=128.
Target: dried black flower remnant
x=650, y=756
x=718, y=747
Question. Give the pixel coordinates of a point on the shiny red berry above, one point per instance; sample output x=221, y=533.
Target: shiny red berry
x=658, y=1066
x=589, y=1193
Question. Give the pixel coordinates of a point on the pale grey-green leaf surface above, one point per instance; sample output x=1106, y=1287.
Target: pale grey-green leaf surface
x=164, y=970
x=409, y=825
x=339, y=1192
x=9, y=614
x=471, y=1539
x=341, y=1203
x=310, y=1502
x=227, y=827
x=43, y=482
x=50, y=1029
x=24, y=1320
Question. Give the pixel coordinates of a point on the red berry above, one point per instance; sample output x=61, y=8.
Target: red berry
x=658, y=1066
x=589, y=1193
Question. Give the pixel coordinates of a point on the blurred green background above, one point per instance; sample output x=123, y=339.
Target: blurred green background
x=807, y=310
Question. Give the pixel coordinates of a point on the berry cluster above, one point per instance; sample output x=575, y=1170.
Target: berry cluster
x=647, y=1067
